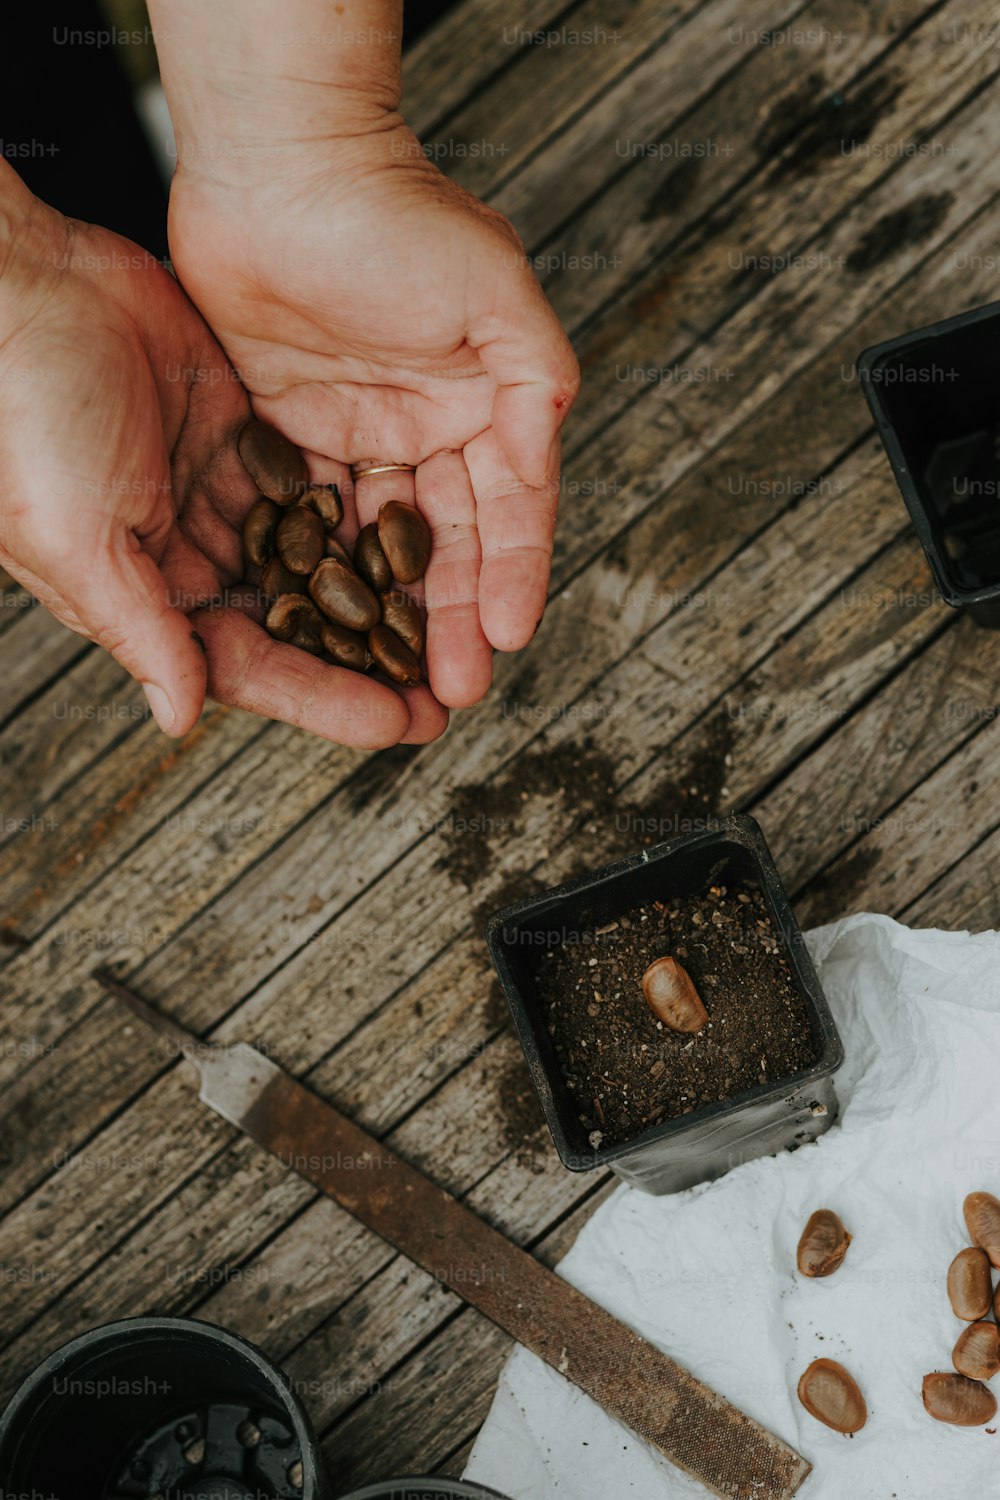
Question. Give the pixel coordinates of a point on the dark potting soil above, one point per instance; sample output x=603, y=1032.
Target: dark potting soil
x=626, y=1070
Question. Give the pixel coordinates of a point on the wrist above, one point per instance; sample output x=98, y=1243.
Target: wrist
x=228, y=144
x=34, y=253
x=257, y=87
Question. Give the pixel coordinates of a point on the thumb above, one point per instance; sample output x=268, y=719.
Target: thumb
x=537, y=378
x=125, y=607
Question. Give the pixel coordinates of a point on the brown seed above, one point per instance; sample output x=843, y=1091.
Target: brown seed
x=970, y=1286
x=402, y=616
x=347, y=647
x=405, y=539
x=337, y=549
x=996, y=1304
x=300, y=539
x=370, y=561
x=394, y=658
x=977, y=1352
x=292, y=616
x=258, y=531
x=958, y=1400
x=276, y=579
x=307, y=637
x=982, y=1217
x=274, y=464
x=831, y=1395
x=343, y=596
x=823, y=1244
x=672, y=997
x=325, y=500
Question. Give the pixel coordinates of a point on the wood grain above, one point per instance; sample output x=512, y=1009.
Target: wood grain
x=740, y=618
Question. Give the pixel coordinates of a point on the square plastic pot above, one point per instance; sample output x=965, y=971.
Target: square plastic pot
x=706, y=1143
x=933, y=394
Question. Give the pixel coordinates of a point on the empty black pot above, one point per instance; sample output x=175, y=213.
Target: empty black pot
x=424, y=1489
x=715, y=1137
x=159, y=1407
x=934, y=396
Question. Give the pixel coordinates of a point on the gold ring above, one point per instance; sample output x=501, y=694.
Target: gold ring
x=361, y=471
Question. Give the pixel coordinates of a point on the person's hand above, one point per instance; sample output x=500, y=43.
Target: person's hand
x=121, y=493
x=375, y=311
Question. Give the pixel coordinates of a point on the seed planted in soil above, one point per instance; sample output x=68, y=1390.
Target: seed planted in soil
x=982, y=1218
x=977, y=1352
x=274, y=464
x=625, y=1071
x=970, y=1285
x=672, y=997
x=823, y=1244
x=832, y=1395
x=958, y=1400
x=405, y=540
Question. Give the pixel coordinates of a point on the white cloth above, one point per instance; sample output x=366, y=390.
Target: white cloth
x=709, y=1275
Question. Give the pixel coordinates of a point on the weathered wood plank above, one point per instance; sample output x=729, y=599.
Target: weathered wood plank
x=967, y=896
x=77, y=844
x=586, y=482
x=500, y=125
x=36, y=649
x=200, y=1177
x=827, y=118
x=892, y=864
x=463, y=48
x=877, y=757
x=427, y=1405
x=291, y=1038
x=15, y=601
x=50, y=745
x=474, y=1083
x=796, y=440
x=699, y=641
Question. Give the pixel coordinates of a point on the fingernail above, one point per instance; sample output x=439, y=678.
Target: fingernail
x=160, y=706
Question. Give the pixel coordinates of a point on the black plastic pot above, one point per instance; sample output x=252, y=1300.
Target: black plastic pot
x=933, y=394
x=159, y=1406
x=424, y=1489
x=715, y=1137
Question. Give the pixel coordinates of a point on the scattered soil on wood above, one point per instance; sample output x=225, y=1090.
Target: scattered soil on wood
x=575, y=787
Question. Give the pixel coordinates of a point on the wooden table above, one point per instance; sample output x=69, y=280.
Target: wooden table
x=740, y=618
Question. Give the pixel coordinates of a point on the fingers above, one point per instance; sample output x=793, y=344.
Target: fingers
x=373, y=490
x=516, y=526
x=124, y=605
x=428, y=717
x=459, y=658
x=247, y=669
x=523, y=347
